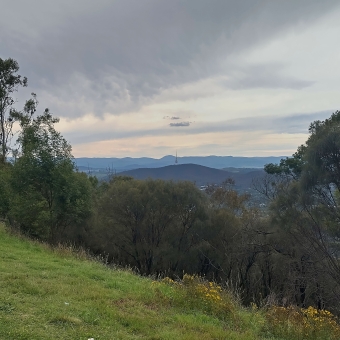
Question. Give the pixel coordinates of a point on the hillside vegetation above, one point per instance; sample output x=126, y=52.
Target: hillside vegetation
x=56, y=293
x=52, y=294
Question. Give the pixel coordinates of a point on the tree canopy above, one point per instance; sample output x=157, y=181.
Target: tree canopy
x=48, y=194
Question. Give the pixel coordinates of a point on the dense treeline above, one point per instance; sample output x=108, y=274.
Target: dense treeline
x=287, y=255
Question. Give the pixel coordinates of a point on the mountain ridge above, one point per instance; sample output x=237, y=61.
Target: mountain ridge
x=217, y=162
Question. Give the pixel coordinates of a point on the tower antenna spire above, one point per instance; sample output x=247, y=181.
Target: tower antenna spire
x=176, y=160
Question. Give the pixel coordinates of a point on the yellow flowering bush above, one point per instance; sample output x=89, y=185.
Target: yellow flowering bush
x=209, y=292
x=200, y=294
x=289, y=323
x=303, y=323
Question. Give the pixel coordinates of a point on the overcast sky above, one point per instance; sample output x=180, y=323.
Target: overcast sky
x=203, y=77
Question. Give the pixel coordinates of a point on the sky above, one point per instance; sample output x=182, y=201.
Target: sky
x=134, y=78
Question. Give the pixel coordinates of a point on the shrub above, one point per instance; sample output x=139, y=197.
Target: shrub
x=195, y=293
x=300, y=323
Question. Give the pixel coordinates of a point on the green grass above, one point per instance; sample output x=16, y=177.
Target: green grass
x=56, y=294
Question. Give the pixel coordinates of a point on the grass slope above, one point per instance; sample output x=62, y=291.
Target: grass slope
x=54, y=294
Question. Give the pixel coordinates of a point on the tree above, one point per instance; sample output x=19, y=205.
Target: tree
x=322, y=154
x=152, y=224
x=234, y=241
x=317, y=162
x=291, y=167
x=5, y=173
x=10, y=81
x=49, y=195
x=307, y=212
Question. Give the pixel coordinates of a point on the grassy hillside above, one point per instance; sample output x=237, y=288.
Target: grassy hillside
x=56, y=294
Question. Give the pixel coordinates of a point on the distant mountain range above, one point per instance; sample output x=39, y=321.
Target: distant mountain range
x=200, y=175
x=217, y=162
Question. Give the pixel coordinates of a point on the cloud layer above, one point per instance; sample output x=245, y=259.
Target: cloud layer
x=210, y=62
x=119, y=54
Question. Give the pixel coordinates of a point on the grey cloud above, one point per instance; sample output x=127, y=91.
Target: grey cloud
x=294, y=123
x=117, y=55
x=179, y=124
x=263, y=76
x=299, y=123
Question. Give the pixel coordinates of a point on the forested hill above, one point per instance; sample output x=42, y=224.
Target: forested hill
x=199, y=174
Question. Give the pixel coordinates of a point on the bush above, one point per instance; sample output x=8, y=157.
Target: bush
x=299, y=323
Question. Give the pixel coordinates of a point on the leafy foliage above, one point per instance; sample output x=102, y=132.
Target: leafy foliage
x=306, y=211
x=5, y=190
x=48, y=195
x=151, y=225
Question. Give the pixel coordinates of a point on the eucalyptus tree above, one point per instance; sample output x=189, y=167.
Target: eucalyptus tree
x=308, y=213
x=48, y=195
x=10, y=82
